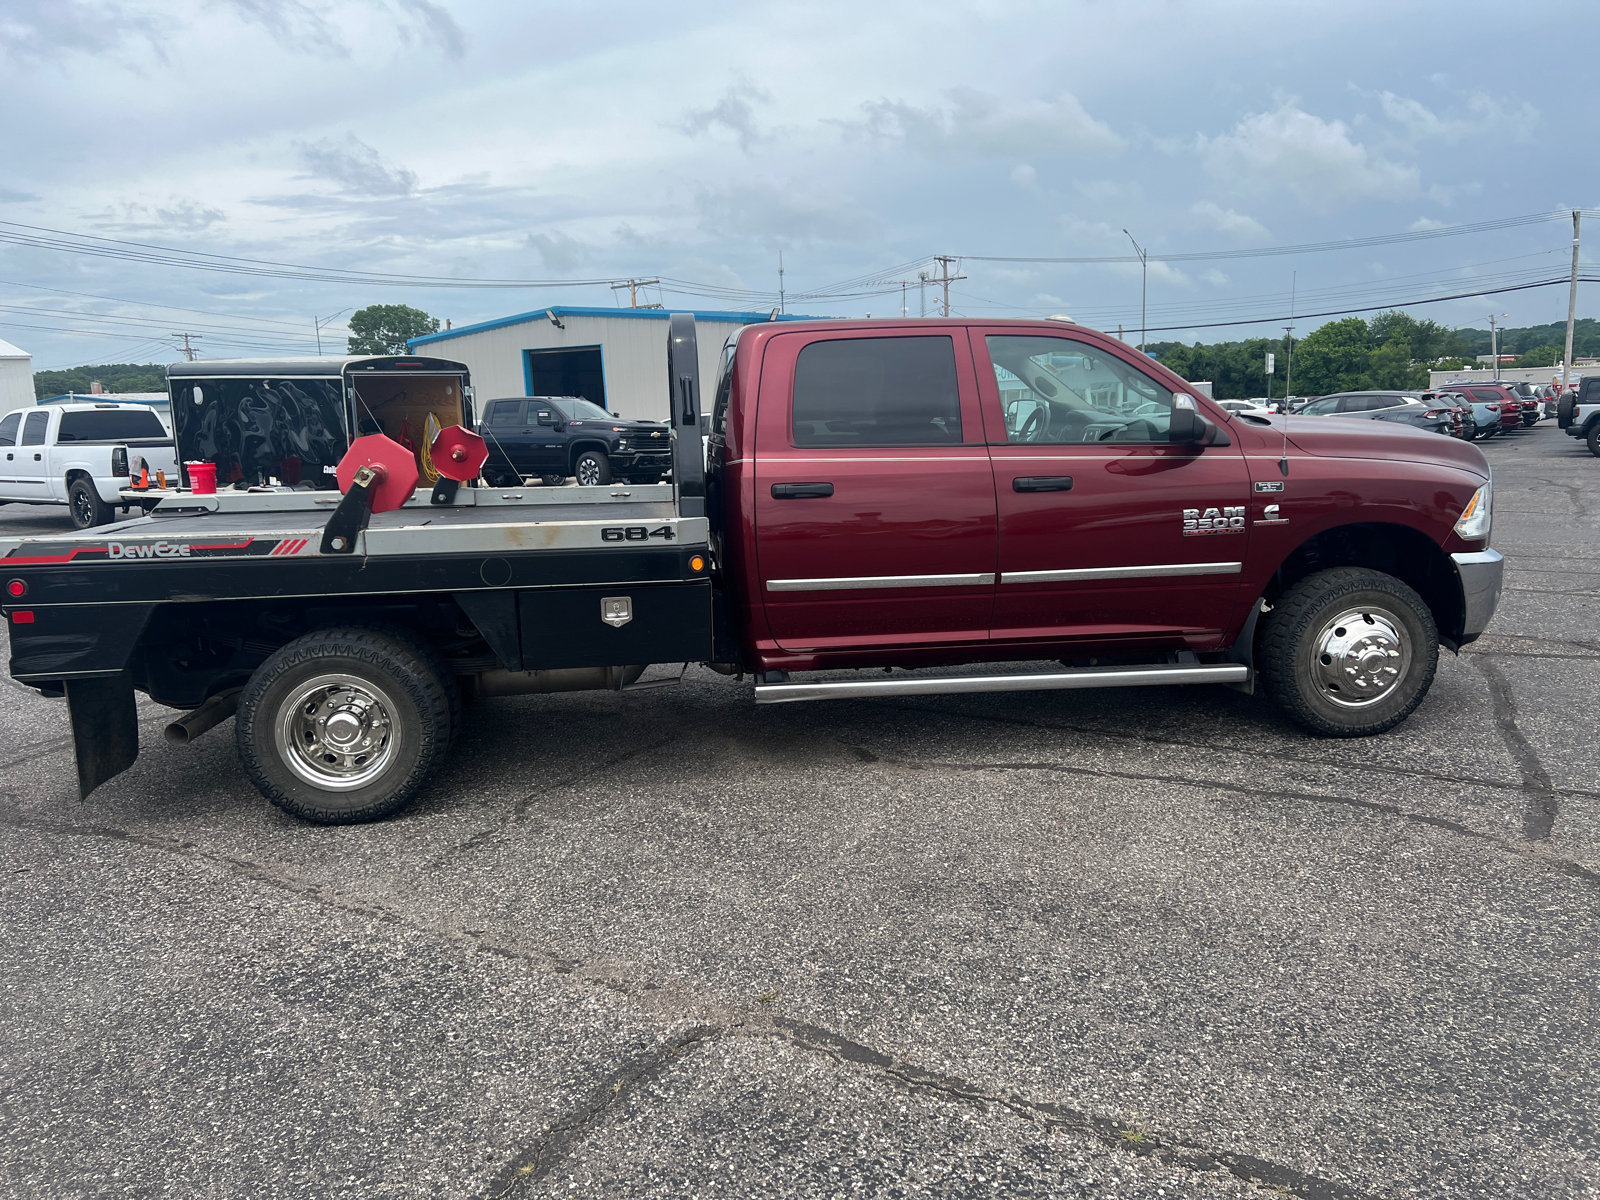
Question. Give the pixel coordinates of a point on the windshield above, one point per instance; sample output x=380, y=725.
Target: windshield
x=575, y=408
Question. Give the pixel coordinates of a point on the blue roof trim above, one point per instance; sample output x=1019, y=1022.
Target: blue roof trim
x=637, y=314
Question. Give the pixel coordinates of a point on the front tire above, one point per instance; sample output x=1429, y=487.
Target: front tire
x=343, y=726
x=593, y=469
x=552, y=480
x=1349, y=652
x=1593, y=438
x=86, y=507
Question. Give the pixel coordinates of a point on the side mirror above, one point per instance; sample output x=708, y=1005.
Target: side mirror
x=547, y=418
x=1187, y=427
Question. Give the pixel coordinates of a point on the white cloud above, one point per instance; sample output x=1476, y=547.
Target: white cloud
x=1316, y=160
x=1484, y=114
x=975, y=122
x=1109, y=191
x=559, y=251
x=1215, y=277
x=355, y=166
x=1226, y=220
x=1422, y=223
x=1025, y=177
x=734, y=112
x=782, y=216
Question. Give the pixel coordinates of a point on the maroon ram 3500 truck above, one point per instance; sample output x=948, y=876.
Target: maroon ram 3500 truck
x=901, y=494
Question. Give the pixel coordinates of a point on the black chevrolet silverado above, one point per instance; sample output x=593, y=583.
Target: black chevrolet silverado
x=555, y=437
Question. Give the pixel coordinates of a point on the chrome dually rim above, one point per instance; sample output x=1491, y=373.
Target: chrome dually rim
x=338, y=733
x=1362, y=654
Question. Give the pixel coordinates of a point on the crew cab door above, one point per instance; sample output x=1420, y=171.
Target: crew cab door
x=505, y=430
x=10, y=428
x=875, y=513
x=547, y=437
x=31, y=477
x=1108, y=532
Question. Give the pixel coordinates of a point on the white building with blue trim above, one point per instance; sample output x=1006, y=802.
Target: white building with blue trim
x=615, y=357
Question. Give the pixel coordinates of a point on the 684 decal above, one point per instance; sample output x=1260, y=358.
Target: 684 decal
x=635, y=533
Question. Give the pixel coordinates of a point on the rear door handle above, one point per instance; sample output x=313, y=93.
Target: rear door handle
x=1042, y=483
x=801, y=491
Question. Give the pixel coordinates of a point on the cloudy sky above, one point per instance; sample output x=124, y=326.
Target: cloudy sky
x=479, y=140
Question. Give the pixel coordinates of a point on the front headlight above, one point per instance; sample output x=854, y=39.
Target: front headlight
x=622, y=443
x=1474, y=521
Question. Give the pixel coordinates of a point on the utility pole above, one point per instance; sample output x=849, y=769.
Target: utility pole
x=780, y=282
x=904, y=311
x=922, y=293
x=633, y=286
x=1494, y=346
x=319, y=323
x=188, y=350
x=1572, y=306
x=1144, y=288
x=945, y=278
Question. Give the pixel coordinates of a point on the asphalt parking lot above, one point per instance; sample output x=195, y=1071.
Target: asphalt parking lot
x=1145, y=943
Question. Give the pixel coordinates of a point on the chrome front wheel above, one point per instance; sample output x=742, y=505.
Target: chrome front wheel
x=1362, y=654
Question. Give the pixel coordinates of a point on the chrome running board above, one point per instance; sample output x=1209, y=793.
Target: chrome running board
x=1099, y=677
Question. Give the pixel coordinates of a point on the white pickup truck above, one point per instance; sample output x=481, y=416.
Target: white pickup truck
x=82, y=456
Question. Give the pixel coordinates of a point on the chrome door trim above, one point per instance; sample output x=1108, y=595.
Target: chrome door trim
x=1213, y=568
x=859, y=582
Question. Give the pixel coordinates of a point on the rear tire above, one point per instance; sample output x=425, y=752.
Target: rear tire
x=86, y=507
x=593, y=469
x=343, y=726
x=1349, y=652
x=1593, y=438
x=552, y=480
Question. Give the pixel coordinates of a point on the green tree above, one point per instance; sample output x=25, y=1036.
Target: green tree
x=1334, y=358
x=1540, y=356
x=385, y=328
x=113, y=377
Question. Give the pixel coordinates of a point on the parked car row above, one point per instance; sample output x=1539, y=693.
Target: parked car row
x=1471, y=411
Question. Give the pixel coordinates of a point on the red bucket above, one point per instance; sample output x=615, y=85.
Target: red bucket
x=202, y=478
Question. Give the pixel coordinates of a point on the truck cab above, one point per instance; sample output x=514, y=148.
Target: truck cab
x=559, y=437
x=80, y=456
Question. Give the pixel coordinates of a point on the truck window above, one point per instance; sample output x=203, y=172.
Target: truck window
x=576, y=408
x=895, y=391
x=109, y=425
x=1058, y=390
x=8, y=429
x=719, y=411
x=505, y=412
x=33, y=428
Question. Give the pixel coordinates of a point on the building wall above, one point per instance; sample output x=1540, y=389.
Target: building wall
x=633, y=355
x=16, y=383
x=1437, y=379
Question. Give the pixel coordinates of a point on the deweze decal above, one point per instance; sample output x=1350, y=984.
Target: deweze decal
x=148, y=550
x=1213, y=520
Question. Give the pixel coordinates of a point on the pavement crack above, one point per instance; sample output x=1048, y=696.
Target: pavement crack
x=1171, y=1151
x=566, y=1131
x=1543, y=809
x=1534, y=849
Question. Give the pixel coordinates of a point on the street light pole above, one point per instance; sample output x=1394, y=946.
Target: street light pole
x=1144, y=285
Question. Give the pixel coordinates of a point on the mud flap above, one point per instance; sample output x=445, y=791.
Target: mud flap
x=105, y=729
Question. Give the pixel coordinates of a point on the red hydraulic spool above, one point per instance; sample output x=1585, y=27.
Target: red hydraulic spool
x=458, y=453
x=396, y=468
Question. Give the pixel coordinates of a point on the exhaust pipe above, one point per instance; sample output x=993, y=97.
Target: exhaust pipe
x=213, y=712
x=501, y=682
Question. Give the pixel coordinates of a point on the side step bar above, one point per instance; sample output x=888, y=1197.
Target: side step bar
x=1098, y=677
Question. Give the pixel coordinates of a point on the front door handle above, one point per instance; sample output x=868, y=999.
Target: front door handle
x=1042, y=483
x=37, y=457
x=801, y=491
